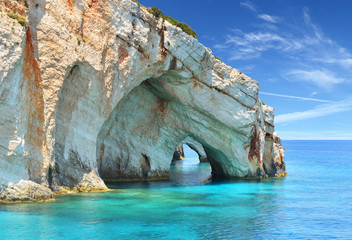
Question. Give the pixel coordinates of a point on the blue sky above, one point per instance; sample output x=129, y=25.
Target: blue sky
x=300, y=51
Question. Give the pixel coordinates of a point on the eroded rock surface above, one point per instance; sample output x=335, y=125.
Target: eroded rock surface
x=97, y=90
x=25, y=191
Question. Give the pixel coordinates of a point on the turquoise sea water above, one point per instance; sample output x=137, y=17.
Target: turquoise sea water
x=313, y=202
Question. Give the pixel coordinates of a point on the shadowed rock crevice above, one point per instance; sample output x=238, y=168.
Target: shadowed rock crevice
x=145, y=165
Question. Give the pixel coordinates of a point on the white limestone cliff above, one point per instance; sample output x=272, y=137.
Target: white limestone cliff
x=94, y=90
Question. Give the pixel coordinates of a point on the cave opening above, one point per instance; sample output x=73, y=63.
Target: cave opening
x=138, y=140
x=191, y=146
x=188, y=167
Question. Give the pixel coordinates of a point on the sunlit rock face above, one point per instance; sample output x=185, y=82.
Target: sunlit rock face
x=103, y=90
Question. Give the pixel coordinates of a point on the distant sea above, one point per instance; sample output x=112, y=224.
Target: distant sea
x=313, y=202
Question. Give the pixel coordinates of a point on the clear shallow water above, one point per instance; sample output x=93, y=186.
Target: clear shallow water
x=313, y=202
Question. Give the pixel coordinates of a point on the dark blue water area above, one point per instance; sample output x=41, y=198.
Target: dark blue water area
x=312, y=202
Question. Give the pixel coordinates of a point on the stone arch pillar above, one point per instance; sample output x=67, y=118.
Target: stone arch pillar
x=78, y=117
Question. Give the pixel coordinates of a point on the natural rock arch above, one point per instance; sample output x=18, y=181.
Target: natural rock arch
x=87, y=64
x=137, y=139
x=140, y=136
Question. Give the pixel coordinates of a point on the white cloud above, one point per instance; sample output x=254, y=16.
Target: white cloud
x=321, y=78
x=345, y=62
x=301, y=44
x=221, y=46
x=294, y=97
x=319, y=111
x=250, y=6
x=317, y=32
x=251, y=45
x=269, y=18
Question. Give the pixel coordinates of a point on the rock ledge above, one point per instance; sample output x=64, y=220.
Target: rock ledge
x=25, y=191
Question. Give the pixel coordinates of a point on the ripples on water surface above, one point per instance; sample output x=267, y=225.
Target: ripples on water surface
x=312, y=202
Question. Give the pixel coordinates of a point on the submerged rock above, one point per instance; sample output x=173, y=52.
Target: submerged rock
x=104, y=90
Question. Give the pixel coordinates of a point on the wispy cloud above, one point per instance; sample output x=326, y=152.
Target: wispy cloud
x=317, y=32
x=294, y=97
x=344, y=62
x=250, y=6
x=318, y=111
x=322, y=78
x=252, y=45
x=261, y=41
x=269, y=18
x=311, y=56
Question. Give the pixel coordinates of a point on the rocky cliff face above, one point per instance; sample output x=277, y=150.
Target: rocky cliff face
x=97, y=89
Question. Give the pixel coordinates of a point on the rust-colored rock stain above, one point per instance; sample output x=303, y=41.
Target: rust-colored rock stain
x=162, y=106
x=254, y=147
x=70, y=3
x=123, y=53
x=35, y=137
x=31, y=73
x=197, y=84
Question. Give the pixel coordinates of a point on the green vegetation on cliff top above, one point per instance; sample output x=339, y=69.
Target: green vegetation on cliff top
x=18, y=18
x=158, y=14
x=184, y=26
